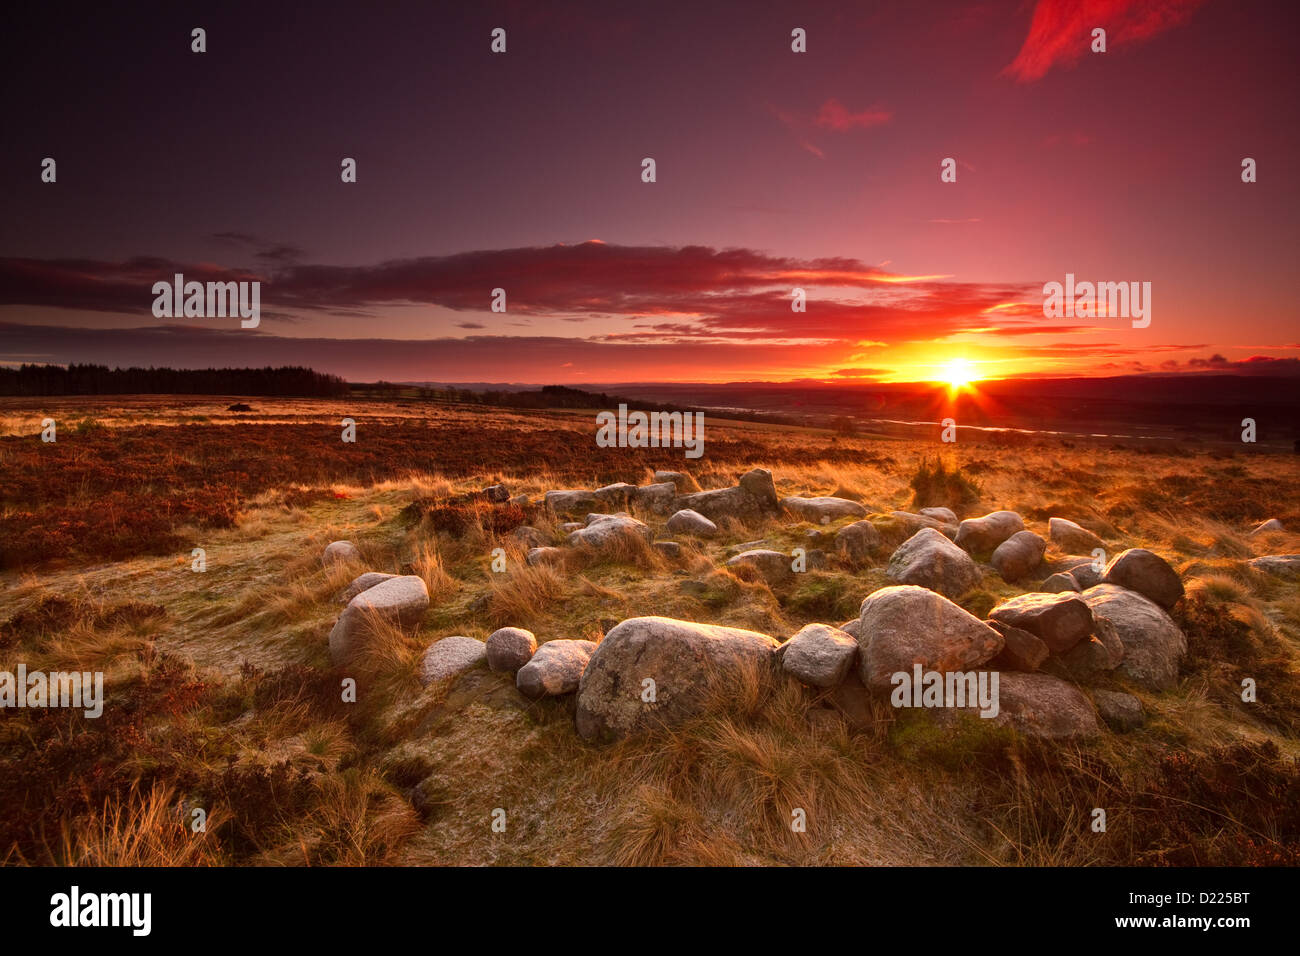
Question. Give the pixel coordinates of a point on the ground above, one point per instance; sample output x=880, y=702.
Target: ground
x=221, y=695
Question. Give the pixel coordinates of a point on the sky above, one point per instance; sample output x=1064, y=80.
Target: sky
x=775, y=170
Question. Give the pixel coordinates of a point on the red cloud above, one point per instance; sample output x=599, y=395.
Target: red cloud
x=1061, y=30
x=834, y=116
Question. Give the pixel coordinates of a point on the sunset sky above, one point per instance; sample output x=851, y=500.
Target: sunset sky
x=774, y=170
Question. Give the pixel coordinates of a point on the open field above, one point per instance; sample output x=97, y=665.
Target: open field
x=221, y=693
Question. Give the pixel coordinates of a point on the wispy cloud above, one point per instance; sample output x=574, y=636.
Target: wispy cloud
x=1060, y=31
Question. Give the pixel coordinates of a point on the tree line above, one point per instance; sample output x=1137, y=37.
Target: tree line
x=102, y=380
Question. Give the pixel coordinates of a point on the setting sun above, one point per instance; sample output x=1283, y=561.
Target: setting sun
x=959, y=373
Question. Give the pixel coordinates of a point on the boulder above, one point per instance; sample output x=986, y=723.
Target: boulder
x=930, y=560
x=912, y=523
x=819, y=655
x=1280, y=565
x=687, y=521
x=979, y=535
x=399, y=601
x=943, y=515
x=1154, y=646
x=754, y=497
x=678, y=478
x=571, y=526
x=616, y=495
x=1096, y=655
x=497, y=494
x=1147, y=573
x=853, y=629
x=362, y=583
x=449, y=658
x=773, y=566
x=669, y=549
x=1272, y=524
x=823, y=510
x=691, y=666
x=656, y=499
x=1059, y=620
x=339, y=552
x=1022, y=650
x=1040, y=705
x=1122, y=712
x=906, y=625
x=1059, y=582
x=570, y=502
x=1085, y=571
x=857, y=541
x=509, y=648
x=609, y=533
x=1019, y=555
x=1070, y=537
x=536, y=556
x=555, y=669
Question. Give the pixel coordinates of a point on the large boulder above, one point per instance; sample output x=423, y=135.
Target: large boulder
x=450, y=657
x=907, y=625
x=1019, y=555
x=979, y=535
x=339, y=552
x=930, y=560
x=823, y=510
x=1094, y=656
x=1147, y=573
x=773, y=566
x=1154, y=646
x=399, y=601
x=912, y=523
x=691, y=522
x=555, y=669
x=1070, y=537
x=857, y=541
x=691, y=665
x=1022, y=652
x=754, y=497
x=363, y=582
x=605, y=533
x=656, y=498
x=616, y=495
x=1059, y=620
x=570, y=502
x=819, y=655
x=510, y=648
x=944, y=515
x=1040, y=705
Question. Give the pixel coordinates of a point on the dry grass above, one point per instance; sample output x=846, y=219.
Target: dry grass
x=227, y=699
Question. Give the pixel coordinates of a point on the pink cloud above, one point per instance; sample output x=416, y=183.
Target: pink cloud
x=1060, y=32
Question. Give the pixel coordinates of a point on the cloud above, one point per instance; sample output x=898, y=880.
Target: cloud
x=834, y=116
x=1060, y=31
